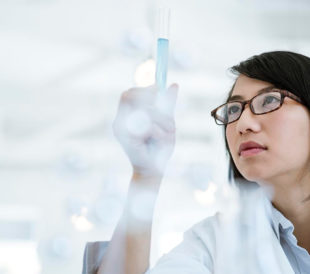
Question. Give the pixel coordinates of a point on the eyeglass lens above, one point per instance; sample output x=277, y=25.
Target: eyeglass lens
x=260, y=104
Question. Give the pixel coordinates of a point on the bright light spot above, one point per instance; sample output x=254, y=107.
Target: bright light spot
x=206, y=197
x=138, y=123
x=81, y=223
x=145, y=73
x=169, y=240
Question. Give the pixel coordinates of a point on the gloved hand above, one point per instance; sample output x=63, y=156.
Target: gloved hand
x=145, y=127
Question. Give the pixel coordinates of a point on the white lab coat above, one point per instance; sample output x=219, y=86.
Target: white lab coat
x=205, y=250
x=238, y=242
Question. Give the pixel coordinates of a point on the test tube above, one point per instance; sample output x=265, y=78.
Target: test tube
x=162, y=47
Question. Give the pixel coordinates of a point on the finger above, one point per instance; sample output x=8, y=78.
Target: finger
x=164, y=121
x=172, y=94
x=160, y=134
x=139, y=96
x=142, y=122
x=166, y=101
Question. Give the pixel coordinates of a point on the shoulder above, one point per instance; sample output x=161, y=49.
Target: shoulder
x=206, y=226
x=195, y=252
x=204, y=234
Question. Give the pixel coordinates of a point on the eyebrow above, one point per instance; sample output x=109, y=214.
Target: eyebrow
x=240, y=97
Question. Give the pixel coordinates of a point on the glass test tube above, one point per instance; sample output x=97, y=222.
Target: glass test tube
x=162, y=48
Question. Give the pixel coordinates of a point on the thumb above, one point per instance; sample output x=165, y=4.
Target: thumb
x=172, y=94
x=166, y=101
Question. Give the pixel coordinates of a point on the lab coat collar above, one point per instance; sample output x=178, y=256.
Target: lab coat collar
x=280, y=223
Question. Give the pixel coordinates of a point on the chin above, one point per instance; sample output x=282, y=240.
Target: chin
x=262, y=181
x=252, y=175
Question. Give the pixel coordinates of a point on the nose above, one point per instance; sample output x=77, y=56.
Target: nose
x=248, y=121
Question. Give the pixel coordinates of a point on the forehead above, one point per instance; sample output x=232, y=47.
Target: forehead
x=247, y=87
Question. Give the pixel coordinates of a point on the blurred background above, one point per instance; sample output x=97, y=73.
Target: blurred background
x=63, y=66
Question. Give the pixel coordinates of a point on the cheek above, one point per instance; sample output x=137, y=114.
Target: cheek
x=230, y=137
x=291, y=134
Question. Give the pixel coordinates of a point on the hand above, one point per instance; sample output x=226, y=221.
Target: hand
x=145, y=127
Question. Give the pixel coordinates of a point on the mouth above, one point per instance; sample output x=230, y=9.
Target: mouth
x=250, y=148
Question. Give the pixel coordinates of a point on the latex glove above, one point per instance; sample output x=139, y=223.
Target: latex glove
x=145, y=127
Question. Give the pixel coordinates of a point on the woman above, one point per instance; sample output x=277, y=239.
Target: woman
x=267, y=128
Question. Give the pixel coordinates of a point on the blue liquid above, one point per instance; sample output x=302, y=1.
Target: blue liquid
x=162, y=62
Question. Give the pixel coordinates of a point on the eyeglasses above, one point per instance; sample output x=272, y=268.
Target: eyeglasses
x=268, y=101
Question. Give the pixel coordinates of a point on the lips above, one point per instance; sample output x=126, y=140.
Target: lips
x=250, y=146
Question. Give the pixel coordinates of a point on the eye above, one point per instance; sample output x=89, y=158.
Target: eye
x=233, y=109
x=269, y=99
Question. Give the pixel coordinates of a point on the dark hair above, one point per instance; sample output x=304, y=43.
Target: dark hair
x=285, y=70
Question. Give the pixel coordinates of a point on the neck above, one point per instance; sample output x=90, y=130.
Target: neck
x=291, y=196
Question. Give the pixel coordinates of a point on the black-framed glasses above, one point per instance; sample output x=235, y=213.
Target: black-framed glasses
x=265, y=102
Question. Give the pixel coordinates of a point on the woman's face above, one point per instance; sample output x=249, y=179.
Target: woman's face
x=284, y=135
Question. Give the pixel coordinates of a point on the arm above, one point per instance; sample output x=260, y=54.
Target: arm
x=129, y=248
x=148, y=151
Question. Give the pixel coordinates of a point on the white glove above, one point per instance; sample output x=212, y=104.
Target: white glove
x=145, y=127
